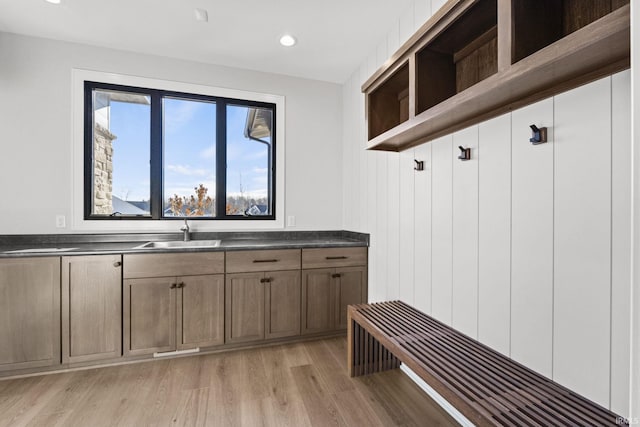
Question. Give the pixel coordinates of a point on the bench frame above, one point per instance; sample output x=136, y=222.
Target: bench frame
x=485, y=386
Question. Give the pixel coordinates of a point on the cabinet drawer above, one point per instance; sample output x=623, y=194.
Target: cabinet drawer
x=270, y=260
x=334, y=257
x=161, y=265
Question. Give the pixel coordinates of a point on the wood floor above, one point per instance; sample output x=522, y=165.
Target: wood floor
x=289, y=385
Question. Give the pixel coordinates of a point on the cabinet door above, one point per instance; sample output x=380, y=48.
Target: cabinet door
x=29, y=313
x=282, y=304
x=149, y=315
x=200, y=311
x=91, y=308
x=350, y=285
x=317, y=303
x=244, y=317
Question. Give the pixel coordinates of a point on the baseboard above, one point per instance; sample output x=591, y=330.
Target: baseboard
x=444, y=404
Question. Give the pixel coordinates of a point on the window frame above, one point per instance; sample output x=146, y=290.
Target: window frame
x=156, y=147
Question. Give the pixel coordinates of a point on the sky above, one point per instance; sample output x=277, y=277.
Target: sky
x=189, y=150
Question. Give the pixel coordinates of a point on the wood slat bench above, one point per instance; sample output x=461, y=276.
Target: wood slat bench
x=484, y=385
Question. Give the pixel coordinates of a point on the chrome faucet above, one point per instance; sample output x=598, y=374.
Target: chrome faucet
x=185, y=231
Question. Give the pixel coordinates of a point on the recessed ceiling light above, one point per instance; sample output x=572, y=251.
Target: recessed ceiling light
x=288, y=40
x=53, y=1
x=201, y=15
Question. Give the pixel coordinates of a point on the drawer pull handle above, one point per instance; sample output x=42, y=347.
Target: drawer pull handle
x=336, y=257
x=265, y=260
x=265, y=280
x=117, y=264
x=173, y=286
x=336, y=275
x=181, y=285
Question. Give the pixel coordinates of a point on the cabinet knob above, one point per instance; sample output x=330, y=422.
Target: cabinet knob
x=173, y=286
x=117, y=263
x=336, y=275
x=181, y=285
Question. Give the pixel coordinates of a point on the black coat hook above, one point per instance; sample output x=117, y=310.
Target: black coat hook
x=419, y=165
x=465, y=153
x=538, y=135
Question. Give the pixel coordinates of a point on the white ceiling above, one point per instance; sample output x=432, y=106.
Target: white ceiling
x=334, y=36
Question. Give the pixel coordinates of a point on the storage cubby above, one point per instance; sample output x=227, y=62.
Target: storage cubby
x=466, y=64
x=538, y=23
x=389, y=103
x=461, y=56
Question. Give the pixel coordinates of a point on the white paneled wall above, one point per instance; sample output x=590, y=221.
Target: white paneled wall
x=582, y=239
x=441, y=229
x=464, y=295
x=494, y=234
x=422, y=231
x=620, y=239
x=525, y=247
x=532, y=239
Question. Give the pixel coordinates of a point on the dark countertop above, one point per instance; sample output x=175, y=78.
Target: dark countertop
x=12, y=246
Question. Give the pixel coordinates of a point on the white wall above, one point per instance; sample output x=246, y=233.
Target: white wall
x=526, y=248
x=36, y=134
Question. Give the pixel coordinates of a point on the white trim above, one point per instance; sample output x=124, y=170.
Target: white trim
x=444, y=404
x=79, y=224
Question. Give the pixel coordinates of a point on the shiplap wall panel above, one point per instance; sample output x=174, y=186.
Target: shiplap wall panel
x=361, y=144
x=620, y=240
x=407, y=226
x=582, y=243
x=465, y=234
x=422, y=226
x=422, y=12
x=347, y=157
x=532, y=239
x=406, y=24
x=393, y=228
x=494, y=234
x=436, y=4
x=441, y=228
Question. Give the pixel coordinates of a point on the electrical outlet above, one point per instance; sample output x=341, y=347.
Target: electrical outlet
x=61, y=221
x=291, y=221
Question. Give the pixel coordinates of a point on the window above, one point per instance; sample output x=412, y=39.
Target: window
x=159, y=154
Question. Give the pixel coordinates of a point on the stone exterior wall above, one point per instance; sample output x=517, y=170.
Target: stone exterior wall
x=102, y=171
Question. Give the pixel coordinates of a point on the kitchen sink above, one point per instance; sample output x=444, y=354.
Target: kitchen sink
x=179, y=244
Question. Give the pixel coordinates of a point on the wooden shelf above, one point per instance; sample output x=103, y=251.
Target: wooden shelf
x=455, y=81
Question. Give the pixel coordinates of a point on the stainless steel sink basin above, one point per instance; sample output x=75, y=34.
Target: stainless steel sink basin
x=179, y=244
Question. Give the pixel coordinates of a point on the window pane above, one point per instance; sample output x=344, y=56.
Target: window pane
x=189, y=129
x=121, y=152
x=249, y=160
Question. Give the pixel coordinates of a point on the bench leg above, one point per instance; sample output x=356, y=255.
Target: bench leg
x=365, y=354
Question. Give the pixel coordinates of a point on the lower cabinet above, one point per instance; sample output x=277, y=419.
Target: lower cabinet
x=29, y=313
x=91, y=308
x=173, y=313
x=262, y=305
x=326, y=293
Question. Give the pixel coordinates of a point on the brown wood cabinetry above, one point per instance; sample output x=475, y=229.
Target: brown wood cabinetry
x=332, y=278
x=175, y=312
x=262, y=304
x=477, y=59
x=91, y=308
x=29, y=313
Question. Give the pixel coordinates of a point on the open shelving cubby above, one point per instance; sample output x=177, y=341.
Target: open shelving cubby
x=458, y=58
x=477, y=59
x=388, y=104
x=539, y=23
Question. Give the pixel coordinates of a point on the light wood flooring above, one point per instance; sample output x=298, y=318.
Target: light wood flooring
x=288, y=385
